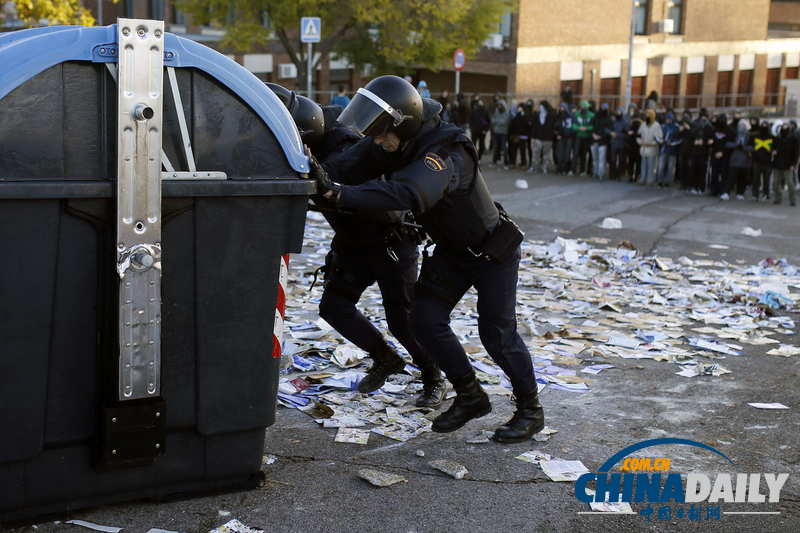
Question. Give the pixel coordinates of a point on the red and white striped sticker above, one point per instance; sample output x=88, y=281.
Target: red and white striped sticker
x=280, y=309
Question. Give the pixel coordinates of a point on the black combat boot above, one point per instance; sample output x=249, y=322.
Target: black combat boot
x=385, y=362
x=527, y=420
x=470, y=402
x=433, y=389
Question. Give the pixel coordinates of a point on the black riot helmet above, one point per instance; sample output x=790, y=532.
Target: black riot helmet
x=309, y=119
x=387, y=103
x=286, y=96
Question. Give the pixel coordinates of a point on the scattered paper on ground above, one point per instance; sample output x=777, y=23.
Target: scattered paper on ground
x=96, y=527
x=611, y=223
x=768, y=405
x=234, y=526
x=563, y=470
x=451, y=468
x=352, y=435
x=380, y=479
x=582, y=306
x=747, y=230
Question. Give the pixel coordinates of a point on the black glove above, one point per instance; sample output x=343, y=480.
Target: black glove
x=324, y=183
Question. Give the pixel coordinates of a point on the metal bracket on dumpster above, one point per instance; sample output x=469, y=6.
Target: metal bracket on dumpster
x=140, y=86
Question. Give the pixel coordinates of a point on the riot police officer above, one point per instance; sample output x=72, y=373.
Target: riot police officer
x=367, y=247
x=432, y=169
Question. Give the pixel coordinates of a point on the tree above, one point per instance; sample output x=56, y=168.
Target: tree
x=389, y=35
x=31, y=12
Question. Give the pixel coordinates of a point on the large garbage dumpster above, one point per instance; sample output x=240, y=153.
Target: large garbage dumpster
x=148, y=188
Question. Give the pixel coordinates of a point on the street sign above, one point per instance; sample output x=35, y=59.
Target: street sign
x=459, y=59
x=310, y=30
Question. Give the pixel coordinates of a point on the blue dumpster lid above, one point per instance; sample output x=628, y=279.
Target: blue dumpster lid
x=26, y=53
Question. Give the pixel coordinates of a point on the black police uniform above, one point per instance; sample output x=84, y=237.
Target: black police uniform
x=369, y=246
x=436, y=177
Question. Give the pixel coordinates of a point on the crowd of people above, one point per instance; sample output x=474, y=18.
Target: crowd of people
x=655, y=146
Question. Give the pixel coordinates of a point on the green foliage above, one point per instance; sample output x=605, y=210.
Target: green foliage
x=387, y=34
x=55, y=11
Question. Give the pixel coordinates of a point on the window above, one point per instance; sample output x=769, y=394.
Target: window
x=157, y=9
x=505, y=27
x=674, y=12
x=178, y=16
x=266, y=21
x=641, y=17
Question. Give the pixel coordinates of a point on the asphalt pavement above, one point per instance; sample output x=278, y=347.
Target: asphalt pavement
x=312, y=485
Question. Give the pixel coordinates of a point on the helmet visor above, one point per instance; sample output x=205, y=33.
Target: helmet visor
x=369, y=115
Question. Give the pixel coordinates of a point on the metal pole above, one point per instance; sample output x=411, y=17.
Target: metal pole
x=308, y=81
x=99, y=12
x=630, y=56
x=458, y=82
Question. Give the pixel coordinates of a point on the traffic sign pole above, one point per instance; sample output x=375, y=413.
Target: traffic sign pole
x=310, y=32
x=459, y=60
x=308, y=80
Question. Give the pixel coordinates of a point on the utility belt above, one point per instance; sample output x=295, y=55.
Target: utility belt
x=501, y=244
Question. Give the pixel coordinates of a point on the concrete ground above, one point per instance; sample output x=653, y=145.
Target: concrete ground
x=313, y=486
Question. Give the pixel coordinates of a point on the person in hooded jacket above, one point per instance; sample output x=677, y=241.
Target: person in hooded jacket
x=649, y=139
x=634, y=155
x=501, y=121
x=763, y=145
x=518, y=134
x=531, y=109
x=479, y=123
x=619, y=144
x=543, y=131
x=702, y=138
x=739, y=167
x=601, y=138
x=668, y=151
x=582, y=125
x=784, y=163
x=431, y=168
x=685, y=150
x=565, y=137
x=720, y=157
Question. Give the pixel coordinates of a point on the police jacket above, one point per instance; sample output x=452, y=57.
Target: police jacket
x=435, y=175
x=353, y=228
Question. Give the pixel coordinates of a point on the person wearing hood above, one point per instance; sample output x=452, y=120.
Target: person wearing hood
x=501, y=120
x=668, y=151
x=582, y=126
x=701, y=138
x=721, y=157
x=479, y=123
x=531, y=109
x=601, y=138
x=739, y=168
x=784, y=163
x=464, y=112
x=619, y=143
x=543, y=130
x=761, y=146
x=650, y=137
x=518, y=134
x=685, y=150
x=422, y=89
x=565, y=137
x=634, y=157
x=430, y=168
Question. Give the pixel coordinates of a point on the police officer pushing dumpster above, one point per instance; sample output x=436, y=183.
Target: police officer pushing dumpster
x=431, y=169
x=369, y=246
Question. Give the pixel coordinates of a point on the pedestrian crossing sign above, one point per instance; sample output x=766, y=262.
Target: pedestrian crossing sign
x=310, y=30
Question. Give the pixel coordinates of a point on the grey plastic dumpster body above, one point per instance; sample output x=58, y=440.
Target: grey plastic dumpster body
x=229, y=202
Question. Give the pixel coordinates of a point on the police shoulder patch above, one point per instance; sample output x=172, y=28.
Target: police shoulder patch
x=434, y=162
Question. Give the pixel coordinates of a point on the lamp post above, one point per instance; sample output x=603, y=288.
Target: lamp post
x=630, y=56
